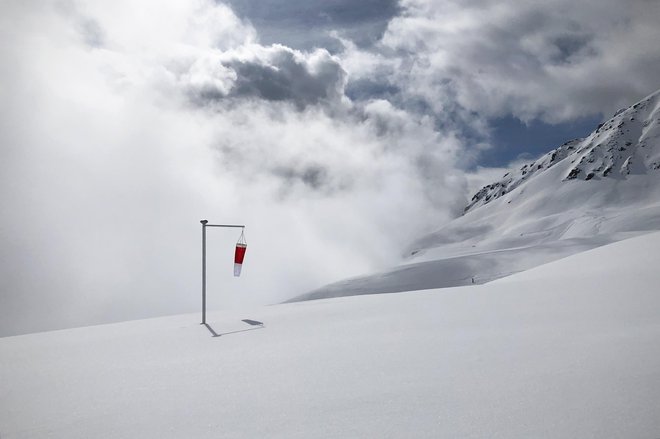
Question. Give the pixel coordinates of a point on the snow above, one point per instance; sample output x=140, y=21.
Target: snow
x=536, y=214
x=566, y=349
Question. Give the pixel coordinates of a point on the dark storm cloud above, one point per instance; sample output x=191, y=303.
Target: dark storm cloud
x=274, y=73
x=286, y=78
x=570, y=47
x=306, y=24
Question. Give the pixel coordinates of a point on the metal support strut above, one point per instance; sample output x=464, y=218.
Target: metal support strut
x=206, y=224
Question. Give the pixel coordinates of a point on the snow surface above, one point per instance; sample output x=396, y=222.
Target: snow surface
x=587, y=193
x=567, y=349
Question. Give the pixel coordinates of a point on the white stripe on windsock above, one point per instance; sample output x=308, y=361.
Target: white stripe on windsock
x=237, y=269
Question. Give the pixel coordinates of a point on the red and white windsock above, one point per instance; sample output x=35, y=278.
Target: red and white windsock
x=239, y=254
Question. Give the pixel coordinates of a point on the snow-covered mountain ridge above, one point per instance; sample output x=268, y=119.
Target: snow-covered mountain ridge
x=625, y=144
x=586, y=193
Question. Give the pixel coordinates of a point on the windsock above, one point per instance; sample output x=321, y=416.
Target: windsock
x=239, y=255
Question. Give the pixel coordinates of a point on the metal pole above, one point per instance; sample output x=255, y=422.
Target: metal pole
x=225, y=225
x=204, y=222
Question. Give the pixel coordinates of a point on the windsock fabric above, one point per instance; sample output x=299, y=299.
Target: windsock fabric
x=239, y=255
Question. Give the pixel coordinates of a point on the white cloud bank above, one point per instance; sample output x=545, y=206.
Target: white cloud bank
x=554, y=60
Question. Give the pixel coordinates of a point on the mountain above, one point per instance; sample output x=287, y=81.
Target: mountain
x=565, y=350
x=584, y=194
x=626, y=144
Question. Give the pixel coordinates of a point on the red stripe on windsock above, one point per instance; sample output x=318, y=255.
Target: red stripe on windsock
x=239, y=255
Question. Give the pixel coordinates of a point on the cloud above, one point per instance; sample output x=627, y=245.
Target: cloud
x=92, y=33
x=126, y=123
x=554, y=60
x=306, y=25
x=107, y=168
x=274, y=73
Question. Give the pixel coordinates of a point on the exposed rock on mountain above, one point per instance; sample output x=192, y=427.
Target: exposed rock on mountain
x=625, y=144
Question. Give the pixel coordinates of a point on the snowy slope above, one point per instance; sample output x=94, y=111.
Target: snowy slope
x=586, y=193
x=568, y=349
x=624, y=145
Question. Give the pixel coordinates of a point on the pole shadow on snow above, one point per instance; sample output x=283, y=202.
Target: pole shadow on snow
x=254, y=323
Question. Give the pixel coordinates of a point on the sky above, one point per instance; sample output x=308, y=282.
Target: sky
x=336, y=131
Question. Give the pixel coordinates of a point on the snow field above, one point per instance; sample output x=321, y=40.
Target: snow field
x=567, y=349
